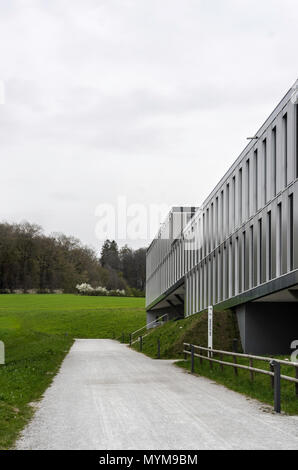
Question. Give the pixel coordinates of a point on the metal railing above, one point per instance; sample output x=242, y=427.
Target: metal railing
x=137, y=333
x=274, y=373
x=141, y=342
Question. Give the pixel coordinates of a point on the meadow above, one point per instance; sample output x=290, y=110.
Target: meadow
x=38, y=331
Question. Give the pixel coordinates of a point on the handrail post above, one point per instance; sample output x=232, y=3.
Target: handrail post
x=192, y=358
x=276, y=367
x=235, y=367
x=141, y=343
x=210, y=355
x=221, y=365
x=130, y=339
x=272, y=377
x=251, y=364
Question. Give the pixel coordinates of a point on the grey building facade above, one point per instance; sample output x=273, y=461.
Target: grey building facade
x=240, y=248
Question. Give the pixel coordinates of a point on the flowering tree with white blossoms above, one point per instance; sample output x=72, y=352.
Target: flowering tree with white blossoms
x=86, y=289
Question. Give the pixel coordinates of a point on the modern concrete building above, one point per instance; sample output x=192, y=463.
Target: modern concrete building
x=240, y=248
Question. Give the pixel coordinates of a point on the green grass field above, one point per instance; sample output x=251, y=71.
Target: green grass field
x=38, y=331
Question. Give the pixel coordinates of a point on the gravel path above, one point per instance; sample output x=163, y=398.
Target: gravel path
x=107, y=396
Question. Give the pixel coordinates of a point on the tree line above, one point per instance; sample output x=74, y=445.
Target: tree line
x=33, y=261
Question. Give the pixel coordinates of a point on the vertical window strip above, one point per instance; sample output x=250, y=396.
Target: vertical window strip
x=296, y=116
x=234, y=202
x=265, y=169
x=228, y=210
x=212, y=227
x=240, y=196
x=269, y=247
x=237, y=266
x=274, y=175
x=216, y=222
x=222, y=216
x=291, y=232
x=279, y=241
x=256, y=180
x=260, y=251
x=285, y=145
x=251, y=258
x=219, y=276
x=230, y=262
x=247, y=189
x=243, y=261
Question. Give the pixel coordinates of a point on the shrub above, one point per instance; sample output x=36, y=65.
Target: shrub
x=86, y=289
x=133, y=292
x=31, y=291
x=44, y=291
x=5, y=291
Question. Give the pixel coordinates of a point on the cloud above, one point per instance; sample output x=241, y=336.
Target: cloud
x=152, y=100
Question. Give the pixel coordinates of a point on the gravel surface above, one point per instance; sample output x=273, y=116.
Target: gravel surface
x=107, y=396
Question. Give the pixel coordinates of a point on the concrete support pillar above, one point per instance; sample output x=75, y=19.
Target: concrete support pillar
x=268, y=328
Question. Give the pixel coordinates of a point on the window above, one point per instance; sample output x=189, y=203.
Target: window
x=256, y=180
x=274, y=160
x=228, y=210
x=269, y=247
x=296, y=107
x=247, y=189
x=285, y=147
x=219, y=277
x=265, y=169
x=225, y=267
x=207, y=232
x=237, y=266
x=234, y=201
x=205, y=283
x=200, y=239
x=260, y=251
x=279, y=240
x=201, y=288
x=243, y=261
x=230, y=264
x=216, y=238
x=251, y=258
x=222, y=215
x=214, y=291
x=212, y=227
x=240, y=196
x=204, y=237
x=209, y=280
x=291, y=233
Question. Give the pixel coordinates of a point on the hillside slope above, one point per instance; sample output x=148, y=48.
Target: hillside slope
x=191, y=330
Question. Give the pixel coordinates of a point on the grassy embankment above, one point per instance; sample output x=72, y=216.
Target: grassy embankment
x=38, y=331
x=194, y=330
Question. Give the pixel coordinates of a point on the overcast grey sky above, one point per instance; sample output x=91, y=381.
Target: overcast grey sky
x=148, y=99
